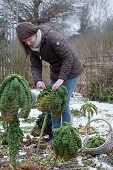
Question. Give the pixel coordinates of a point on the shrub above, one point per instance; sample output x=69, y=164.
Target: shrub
x=101, y=88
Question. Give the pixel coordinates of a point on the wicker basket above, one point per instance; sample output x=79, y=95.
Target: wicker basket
x=107, y=146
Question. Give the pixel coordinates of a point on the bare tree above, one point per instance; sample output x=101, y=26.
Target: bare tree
x=84, y=13
x=43, y=11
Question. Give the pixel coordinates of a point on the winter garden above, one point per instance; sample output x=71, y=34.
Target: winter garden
x=25, y=112
x=21, y=132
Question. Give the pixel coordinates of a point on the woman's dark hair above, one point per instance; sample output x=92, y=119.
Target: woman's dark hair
x=25, y=30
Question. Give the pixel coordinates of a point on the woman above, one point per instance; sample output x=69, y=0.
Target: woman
x=43, y=43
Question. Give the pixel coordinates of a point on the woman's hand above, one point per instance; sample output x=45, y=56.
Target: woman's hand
x=58, y=83
x=40, y=85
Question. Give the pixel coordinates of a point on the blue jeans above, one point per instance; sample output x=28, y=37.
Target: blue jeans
x=66, y=116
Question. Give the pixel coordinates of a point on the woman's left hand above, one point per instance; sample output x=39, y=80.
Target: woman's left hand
x=58, y=83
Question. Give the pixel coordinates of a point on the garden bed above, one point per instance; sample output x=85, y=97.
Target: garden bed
x=45, y=160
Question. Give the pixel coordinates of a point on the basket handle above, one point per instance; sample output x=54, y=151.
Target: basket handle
x=85, y=130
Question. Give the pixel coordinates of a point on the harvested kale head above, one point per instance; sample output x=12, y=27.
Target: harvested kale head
x=52, y=101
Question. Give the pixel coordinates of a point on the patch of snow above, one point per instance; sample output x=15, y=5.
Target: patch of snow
x=6, y=157
x=34, y=113
x=79, y=159
x=102, y=164
x=35, y=91
x=21, y=152
x=26, y=124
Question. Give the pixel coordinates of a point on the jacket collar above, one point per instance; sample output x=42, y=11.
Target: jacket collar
x=45, y=30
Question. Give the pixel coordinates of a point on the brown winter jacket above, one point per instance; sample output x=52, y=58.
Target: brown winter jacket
x=64, y=63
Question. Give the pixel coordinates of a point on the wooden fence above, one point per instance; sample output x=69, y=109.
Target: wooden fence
x=93, y=67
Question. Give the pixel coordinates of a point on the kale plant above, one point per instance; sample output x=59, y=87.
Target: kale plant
x=94, y=142
x=66, y=142
x=51, y=101
x=15, y=100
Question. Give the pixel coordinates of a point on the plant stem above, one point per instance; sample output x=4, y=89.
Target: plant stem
x=89, y=116
x=14, y=142
x=89, y=120
x=41, y=133
x=54, y=162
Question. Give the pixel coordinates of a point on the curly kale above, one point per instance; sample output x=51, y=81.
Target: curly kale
x=94, y=142
x=15, y=94
x=66, y=142
x=15, y=97
x=52, y=101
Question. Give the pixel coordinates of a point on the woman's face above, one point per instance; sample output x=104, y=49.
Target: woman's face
x=30, y=41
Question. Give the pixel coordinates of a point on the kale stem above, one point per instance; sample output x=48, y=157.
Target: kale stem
x=88, y=121
x=54, y=163
x=41, y=133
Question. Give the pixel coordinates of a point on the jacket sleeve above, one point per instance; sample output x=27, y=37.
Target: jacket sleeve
x=63, y=50
x=36, y=66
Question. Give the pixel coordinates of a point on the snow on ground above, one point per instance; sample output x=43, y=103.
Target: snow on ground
x=34, y=113
x=105, y=111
